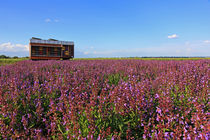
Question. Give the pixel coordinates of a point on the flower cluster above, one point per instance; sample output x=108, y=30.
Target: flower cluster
x=105, y=99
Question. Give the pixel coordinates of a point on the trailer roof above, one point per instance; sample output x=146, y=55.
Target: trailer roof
x=50, y=41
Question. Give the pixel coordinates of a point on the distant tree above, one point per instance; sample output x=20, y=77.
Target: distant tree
x=4, y=56
x=15, y=57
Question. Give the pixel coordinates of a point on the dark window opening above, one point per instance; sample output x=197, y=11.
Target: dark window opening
x=53, y=51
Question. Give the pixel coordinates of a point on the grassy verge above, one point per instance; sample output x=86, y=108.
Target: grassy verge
x=4, y=61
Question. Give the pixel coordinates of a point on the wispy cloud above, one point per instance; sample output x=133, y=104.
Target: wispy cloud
x=51, y=20
x=207, y=41
x=48, y=20
x=173, y=36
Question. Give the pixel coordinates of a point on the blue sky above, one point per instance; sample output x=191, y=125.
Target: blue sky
x=109, y=28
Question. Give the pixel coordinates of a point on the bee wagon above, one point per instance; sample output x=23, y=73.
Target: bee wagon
x=50, y=49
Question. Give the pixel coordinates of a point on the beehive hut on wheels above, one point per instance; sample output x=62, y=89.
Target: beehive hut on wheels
x=50, y=49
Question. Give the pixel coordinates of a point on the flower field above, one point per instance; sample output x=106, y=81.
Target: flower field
x=105, y=99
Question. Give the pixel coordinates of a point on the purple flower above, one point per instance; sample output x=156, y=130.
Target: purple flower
x=99, y=137
x=156, y=96
x=158, y=110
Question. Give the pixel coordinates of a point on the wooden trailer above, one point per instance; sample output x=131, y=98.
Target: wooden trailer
x=50, y=49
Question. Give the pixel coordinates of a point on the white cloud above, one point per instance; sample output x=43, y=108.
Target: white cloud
x=173, y=36
x=48, y=20
x=51, y=20
x=207, y=41
x=9, y=47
